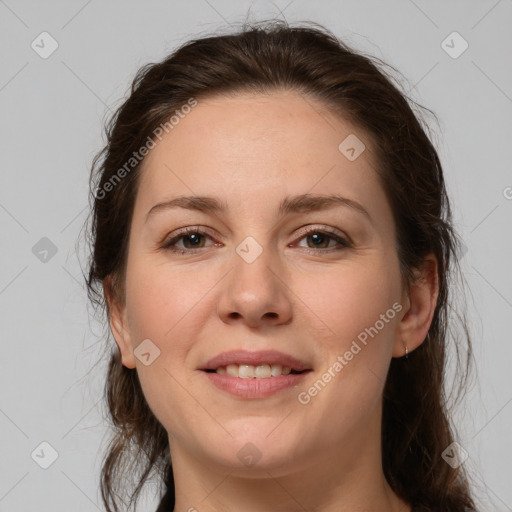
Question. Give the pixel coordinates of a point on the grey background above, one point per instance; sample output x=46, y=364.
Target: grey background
x=51, y=126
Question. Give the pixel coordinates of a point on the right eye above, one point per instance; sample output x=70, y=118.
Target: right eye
x=190, y=235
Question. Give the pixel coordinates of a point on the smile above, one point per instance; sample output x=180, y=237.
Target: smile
x=248, y=371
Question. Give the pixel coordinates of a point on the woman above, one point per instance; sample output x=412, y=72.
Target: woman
x=272, y=241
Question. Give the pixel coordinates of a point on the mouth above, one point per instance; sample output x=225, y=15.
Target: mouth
x=248, y=371
x=255, y=374
x=262, y=364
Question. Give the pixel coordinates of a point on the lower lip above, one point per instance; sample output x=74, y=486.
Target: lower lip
x=255, y=388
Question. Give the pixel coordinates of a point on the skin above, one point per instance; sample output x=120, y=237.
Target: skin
x=251, y=151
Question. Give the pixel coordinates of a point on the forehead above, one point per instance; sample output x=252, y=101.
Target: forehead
x=251, y=147
x=248, y=125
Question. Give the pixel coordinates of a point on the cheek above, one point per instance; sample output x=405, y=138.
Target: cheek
x=162, y=306
x=348, y=299
x=345, y=398
x=168, y=306
x=162, y=300
x=354, y=307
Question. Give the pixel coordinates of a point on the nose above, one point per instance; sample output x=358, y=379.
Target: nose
x=255, y=294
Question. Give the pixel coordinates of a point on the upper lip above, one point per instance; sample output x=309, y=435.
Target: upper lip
x=255, y=359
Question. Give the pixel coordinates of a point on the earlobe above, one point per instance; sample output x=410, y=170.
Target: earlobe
x=118, y=324
x=422, y=299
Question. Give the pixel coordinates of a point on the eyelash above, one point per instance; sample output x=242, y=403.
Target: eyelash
x=344, y=243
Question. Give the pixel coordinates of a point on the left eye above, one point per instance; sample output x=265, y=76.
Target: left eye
x=320, y=238
x=192, y=241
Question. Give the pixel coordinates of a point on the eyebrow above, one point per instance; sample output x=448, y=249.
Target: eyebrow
x=296, y=204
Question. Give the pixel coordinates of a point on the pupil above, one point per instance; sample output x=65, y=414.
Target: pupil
x=317, y=237
x=194, y=238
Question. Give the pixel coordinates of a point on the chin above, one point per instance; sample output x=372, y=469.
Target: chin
x=255, y=444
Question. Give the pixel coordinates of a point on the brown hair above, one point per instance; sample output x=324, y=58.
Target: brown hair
x=309, y=59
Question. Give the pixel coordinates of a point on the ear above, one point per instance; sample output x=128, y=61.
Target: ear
x=118, y=323
x=419, y=305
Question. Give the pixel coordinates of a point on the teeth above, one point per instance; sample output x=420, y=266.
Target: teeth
x=231, y=370
x=248, y=371
x=276, y=370
x=262, y=372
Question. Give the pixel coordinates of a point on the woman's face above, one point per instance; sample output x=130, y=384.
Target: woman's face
x=319, y=284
